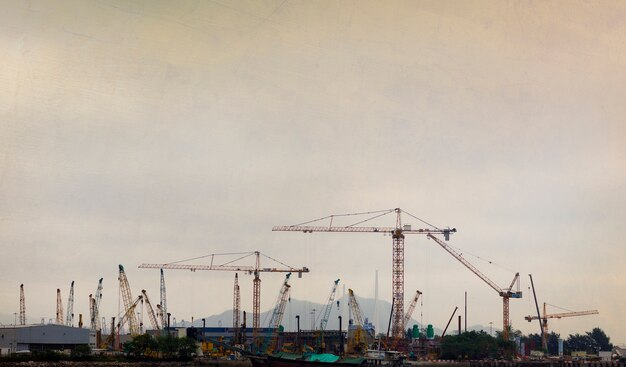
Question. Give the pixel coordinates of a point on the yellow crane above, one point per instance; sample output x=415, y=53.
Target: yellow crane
x=397, y=233
x=546, y=316
x=356, y=342
x=255, y=269
x=151, y=314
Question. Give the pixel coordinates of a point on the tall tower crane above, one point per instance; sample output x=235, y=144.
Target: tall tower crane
x=163, y=308
x=506, y=294
x=69, y=321
x=236, y=309
x=59, y=319
x=397, y=234
x=128, y=302
x=255, y=269
x=546, y=316
x=22, y=306
x=279, y=311
x=151, y=315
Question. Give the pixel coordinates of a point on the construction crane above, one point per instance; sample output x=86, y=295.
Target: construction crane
x=69, y=321
x=277, y=314
x=128, y=302
x=506, y=294
x=546, y=316
x=236, y=309
x=151, y=315
x=94, y=307
x=22, y=306
x=325, y=315
x=409, y=311
x=59, y=319
x=329, y=306
x=126, y=316
x=356, y=343
x=255, y=269
x=397, y=233
x=163, y=308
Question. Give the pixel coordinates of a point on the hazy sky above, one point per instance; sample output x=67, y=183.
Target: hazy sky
x=155, y=131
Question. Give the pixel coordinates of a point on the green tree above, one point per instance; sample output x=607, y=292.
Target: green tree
x=470, y=345
x=82, y=351
x=578, y=342
x=167, y=346
x=601, y=339
x=187, y=347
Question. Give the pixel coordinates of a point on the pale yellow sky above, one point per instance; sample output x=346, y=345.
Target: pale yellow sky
x=152, y=131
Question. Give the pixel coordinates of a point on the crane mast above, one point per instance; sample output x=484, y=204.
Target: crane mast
x=22, y=306
x=397, y=234
x=128, y=302
x=163, y=308
x=59, y=319
x=236, y=309
x=506, y=294
x=69, y=321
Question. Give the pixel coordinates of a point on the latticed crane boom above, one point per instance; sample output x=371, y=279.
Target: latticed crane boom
x=69, y=321
x=412, y=305
x=397, y=234
x=329, y=306
x=22, y=306
x=279, y=311
x=59, y=319
x=504, y=293
x=128, y=302
x=151, y=315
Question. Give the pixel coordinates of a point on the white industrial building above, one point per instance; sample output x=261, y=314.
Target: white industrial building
x=22, y=338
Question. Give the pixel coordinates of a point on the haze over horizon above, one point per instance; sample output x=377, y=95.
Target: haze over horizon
x=155, y=131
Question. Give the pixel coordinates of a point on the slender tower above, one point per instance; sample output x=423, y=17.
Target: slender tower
x=22, y=306
x=59, y=308
x=236, y=308
x=163, y=301
x=69, y=321
x=376, y=320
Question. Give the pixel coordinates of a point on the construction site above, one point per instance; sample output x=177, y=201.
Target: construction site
x=356, y=337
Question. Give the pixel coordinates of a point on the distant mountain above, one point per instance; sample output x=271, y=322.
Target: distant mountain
x=304, y=308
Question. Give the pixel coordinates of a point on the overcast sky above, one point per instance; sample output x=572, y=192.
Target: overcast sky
x=155, y=131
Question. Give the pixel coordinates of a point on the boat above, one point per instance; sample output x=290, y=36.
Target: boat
x=307, y=359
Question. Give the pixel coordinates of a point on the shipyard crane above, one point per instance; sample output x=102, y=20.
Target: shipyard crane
x=546, y=316
x=279, y=311
x=59, y=319
x=22, y=306
x=397, y=233
x=128, y=302
x=151, y=315
x=163, y=308
x=506, y=294
x=357, y=342
x=69, y=321
x=255, y=269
